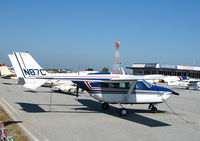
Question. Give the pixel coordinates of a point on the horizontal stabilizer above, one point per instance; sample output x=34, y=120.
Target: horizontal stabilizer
x=34, y=83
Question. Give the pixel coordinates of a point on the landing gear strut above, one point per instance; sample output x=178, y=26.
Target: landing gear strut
x=152, y=108
x=105, y=106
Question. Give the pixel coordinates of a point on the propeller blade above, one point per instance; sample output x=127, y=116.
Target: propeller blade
x=175, y=93
x=77, y=90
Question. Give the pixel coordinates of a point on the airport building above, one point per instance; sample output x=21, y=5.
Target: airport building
x=173, y=70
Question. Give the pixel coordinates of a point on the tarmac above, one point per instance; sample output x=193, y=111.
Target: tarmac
x=65, y=118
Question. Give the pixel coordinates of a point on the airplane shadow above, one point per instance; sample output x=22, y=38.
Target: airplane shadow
x=30, y=108
x=95, y=107
x=6, y=123
x=30, y=91
x=36, y=91
x=6, y=83
x=49, y=92
x=114, y=111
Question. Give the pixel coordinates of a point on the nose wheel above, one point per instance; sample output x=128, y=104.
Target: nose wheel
x=123, y=112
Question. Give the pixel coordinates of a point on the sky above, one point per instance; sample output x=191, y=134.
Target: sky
x=80, y=34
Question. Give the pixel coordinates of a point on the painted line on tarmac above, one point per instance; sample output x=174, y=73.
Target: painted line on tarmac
x=22, y=126
x=159, y=114
x=9, y=105
x=4, y=107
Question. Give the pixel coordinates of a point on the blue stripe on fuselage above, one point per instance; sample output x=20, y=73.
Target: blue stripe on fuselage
x=83, y=86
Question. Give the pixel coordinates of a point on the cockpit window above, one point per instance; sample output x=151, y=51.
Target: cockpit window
x=139, y=85
x=142, y=85
x=147, y=84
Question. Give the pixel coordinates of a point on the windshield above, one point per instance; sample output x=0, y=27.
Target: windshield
x=147, y=84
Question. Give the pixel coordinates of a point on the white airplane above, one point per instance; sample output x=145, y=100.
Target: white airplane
x=157, y=78
x=194, y=84
x=65, y=86
x=180, y=84
x=167, y=79
x=6, y=73
x=104, y=87
x=186, y=84
x=69, y=87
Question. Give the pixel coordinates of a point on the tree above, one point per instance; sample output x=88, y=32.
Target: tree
x=90, y=69
x=105, y=69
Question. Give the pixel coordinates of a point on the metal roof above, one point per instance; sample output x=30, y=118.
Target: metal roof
x=164, y=66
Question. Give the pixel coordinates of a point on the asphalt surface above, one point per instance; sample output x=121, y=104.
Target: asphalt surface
x=84, y=120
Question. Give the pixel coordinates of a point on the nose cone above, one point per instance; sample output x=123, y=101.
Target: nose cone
x=159, y=88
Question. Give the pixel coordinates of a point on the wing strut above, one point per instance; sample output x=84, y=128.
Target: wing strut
x=131, y=88
x=130, y=91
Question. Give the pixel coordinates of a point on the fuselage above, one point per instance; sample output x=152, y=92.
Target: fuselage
x=142, y=93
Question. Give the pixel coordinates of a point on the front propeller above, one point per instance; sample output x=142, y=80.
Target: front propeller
x=175, y=93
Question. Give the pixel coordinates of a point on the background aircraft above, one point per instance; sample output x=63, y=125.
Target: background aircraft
x=156, y=78
x=186, y=84
x=6, y=73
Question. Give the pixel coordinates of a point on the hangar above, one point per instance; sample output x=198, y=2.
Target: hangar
x=173, y=70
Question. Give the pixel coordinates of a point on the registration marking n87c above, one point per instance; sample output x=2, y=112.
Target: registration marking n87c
x=34, y=72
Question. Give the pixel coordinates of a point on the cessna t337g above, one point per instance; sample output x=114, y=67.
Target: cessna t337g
x=104, y=87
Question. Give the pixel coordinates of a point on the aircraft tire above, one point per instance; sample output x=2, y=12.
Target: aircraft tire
x=59, y=90
x=105, y=106
x=123, y=112
x=153, y=110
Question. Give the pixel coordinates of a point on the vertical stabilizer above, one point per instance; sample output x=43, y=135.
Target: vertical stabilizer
x=28, y=66
x=31, y=71
x=15, y=65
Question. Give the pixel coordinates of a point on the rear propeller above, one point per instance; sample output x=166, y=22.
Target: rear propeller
x=77, y=90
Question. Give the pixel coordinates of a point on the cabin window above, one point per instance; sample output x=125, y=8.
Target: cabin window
x=140, y=85
x=122, y=85
x=116, y=85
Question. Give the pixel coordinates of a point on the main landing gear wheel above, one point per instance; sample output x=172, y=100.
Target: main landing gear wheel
x=153, y=109
x=105, y=106
x=123, y=112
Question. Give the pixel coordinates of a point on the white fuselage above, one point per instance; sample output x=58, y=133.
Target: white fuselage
x=136, y=98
